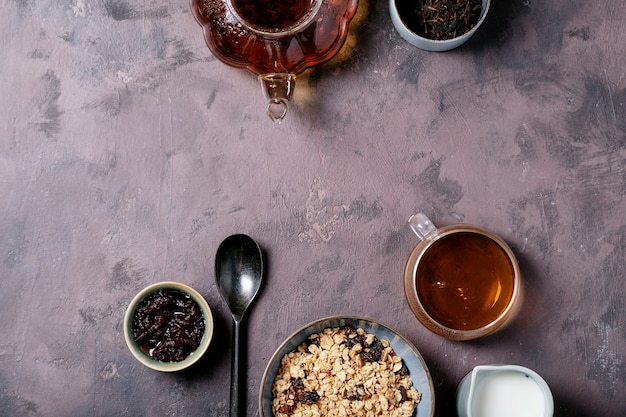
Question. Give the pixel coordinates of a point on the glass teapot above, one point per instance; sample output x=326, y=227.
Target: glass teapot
x=274, y=39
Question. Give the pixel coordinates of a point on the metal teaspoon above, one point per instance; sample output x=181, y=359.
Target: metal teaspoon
x=239, y=273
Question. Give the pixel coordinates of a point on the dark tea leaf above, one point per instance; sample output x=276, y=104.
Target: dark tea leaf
x=440, y=19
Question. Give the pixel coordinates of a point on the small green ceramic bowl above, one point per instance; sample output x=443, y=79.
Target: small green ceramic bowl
x=144, y=358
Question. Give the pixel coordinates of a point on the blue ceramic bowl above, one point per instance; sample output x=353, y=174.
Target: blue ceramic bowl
x=413, y=360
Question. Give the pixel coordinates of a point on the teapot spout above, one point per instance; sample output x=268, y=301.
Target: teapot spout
x=277, y=89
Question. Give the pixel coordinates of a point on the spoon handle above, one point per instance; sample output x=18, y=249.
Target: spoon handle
x=234, y=371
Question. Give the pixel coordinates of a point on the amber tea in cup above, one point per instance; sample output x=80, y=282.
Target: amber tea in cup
x=461, y=282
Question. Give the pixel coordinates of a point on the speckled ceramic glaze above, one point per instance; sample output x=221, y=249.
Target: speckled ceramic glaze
x=168, y=366
x=415, y=363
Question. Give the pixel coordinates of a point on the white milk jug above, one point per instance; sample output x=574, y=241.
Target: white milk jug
x=504, y=391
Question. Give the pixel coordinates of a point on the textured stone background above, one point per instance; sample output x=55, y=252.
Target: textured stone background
x=128, y=152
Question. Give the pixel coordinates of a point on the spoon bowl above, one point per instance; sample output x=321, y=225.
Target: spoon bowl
x=238, y=273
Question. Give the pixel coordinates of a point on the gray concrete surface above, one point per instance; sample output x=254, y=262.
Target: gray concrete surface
x=128, y=152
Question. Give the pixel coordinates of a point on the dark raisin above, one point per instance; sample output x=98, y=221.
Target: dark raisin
x=403, y=371
x=297, y=383
x=308, y=397
x=291, y=394
x=168, y=325
x=312, y=340
x=353, y=395
x=352, y=341
x=373, y=352
x=403, y=396
x=286, y=409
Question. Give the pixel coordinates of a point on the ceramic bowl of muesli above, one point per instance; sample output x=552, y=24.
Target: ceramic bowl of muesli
x=348, y=365
x=168, y=326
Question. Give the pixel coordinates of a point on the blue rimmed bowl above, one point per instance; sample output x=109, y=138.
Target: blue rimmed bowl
x=413, y=360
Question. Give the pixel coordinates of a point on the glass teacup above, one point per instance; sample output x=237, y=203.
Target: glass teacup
x=461, y=281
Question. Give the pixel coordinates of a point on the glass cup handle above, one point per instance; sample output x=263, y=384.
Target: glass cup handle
x=423, y=227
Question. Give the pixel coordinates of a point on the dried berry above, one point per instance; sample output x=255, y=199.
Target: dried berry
x=403, y=371
x=168, y=325
x=291, y=394
x=348, y=329
x=308, y=397
x=352, y=341
x=297, y=383
x=373, y=352
x=312, y=340
x=358, y=393
x=353, y=396
x=403, y=396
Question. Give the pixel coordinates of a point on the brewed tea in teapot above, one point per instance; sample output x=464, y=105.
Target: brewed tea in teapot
x=275, y=39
